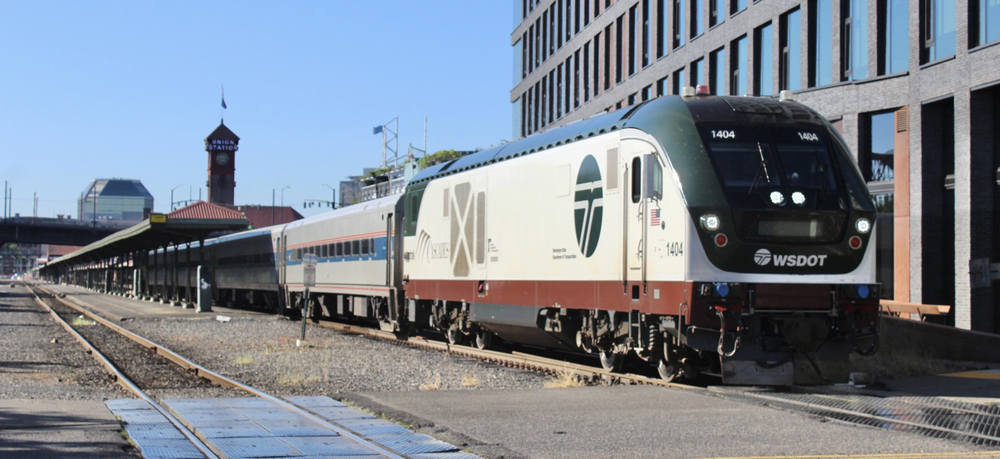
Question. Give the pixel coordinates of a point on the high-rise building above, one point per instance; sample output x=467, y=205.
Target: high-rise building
x=912, y=85
x=114, y=200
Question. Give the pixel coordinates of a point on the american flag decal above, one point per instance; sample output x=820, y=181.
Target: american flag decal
x=654, y=217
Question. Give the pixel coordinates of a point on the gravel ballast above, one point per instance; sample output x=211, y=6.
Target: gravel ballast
x=261, y=350
x=40, y=360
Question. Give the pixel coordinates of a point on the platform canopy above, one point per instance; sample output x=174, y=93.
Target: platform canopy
x=188, y=224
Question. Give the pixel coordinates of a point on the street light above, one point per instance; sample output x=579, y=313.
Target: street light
x=283, y=195
x=172, y=196
x=333, y=196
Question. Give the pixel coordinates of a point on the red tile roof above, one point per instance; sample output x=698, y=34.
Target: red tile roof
x=202, y=210
x=261, y=216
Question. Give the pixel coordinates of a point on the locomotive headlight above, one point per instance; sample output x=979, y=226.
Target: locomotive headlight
x=863, y=225
x=777, y=198
x=798, y=198
x=710, y=222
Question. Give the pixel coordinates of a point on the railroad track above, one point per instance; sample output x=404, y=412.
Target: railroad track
x=58, y=308
x=513, y=359
x=928, y=416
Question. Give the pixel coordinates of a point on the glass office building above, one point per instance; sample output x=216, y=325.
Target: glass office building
x=919, y=106
x=114, y=200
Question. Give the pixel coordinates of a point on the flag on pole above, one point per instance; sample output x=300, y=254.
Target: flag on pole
x=377, y=130
x=224, y=97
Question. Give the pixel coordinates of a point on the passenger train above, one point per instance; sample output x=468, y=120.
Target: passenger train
x=723, y=235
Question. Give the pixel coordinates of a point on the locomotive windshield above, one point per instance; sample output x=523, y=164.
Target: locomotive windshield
x=780, y=181
x=747, y=157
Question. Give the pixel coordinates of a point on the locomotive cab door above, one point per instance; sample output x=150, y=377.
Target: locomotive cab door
x=644, y=175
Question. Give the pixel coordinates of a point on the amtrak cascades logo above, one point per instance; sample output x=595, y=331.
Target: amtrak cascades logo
x=589, y=206
x=763, y=257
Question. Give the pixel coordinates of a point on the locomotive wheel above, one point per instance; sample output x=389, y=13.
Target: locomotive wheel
x=454, y=336
x=667, y=365
x=483, y=338
x=611, y=360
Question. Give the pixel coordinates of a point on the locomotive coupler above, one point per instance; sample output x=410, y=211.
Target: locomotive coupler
x=721, y=312
x=856, y=339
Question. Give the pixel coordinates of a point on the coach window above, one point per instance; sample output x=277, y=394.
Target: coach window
x=364, y=246
x=636, y=179
x=356, y=247
x=339, y=249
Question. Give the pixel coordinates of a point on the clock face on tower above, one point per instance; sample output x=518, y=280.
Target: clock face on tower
x=222, y=159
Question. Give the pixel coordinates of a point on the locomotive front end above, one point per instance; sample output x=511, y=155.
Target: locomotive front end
x=784, y=287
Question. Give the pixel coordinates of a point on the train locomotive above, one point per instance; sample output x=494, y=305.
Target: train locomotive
x=731, y=236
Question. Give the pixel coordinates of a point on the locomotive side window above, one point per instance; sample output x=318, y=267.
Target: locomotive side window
x=654, y=177
x=636, y=179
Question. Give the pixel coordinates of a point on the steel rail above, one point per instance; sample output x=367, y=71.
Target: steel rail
x=224, y=381
x=514, y=359
x=125, y=382
x=863, y=415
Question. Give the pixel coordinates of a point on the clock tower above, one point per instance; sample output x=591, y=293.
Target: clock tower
x=221, y=146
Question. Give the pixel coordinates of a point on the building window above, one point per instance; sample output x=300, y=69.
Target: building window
x=517, y=113
x=678, y=23
x=576, y=78
x=735, y=6
x=633, y=36
x=854, y=51
x=586, y=71
x=697, y=72
x=647, y=33
x=647, y=93
x=716, y=12
x=661, y=28
x=738, y=66
x=791, y=51
x=717, y=71
x=518, y=60
x=697, y=18
x=661, y=86
x=545, y=35
x=938, y=31
x=821, y=42
x=763, y=60
x=558, y=90
x=893, y=31
x=876, y=163
x=678, y=81
x=619, y=63
x=607, y=57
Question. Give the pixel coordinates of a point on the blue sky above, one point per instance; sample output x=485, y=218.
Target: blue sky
x=130, y=89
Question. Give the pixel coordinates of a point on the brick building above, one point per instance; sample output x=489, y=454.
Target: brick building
x=912, y=86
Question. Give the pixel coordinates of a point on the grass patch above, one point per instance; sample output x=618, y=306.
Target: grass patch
x=81, y=321
x=244, y=360
x=563, y=379
x=433, y=382
x=469, y=380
